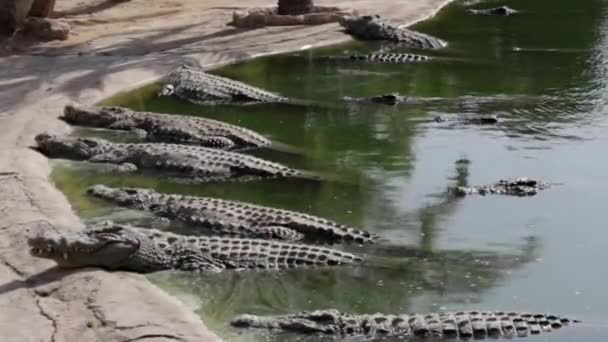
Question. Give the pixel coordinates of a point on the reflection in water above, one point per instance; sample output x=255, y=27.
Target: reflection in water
x=389, y=286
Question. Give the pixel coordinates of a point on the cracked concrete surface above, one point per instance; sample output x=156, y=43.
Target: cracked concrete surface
x=114, y=46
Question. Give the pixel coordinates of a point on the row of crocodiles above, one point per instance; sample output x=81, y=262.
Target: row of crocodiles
x=243, y=235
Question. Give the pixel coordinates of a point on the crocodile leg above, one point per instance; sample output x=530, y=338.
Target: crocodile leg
x=112, y=163
x=191, y=259
x=123, y=125
x=279, y=233
x=226, y=228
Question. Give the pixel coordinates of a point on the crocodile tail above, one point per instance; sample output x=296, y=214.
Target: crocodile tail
x=463, y=325
x=319, y=228
x=268, y=254
x=351, y=234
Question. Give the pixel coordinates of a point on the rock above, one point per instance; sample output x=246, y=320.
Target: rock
x=295, y=7
x=42, y=8
x=260, y=17
x=13, y=14
x=47, y=29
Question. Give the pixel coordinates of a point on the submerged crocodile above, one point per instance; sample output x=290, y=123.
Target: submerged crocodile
x=391, y=99
x=232, y=217
x=122, y=247
x=198, y=162
x=375, y=28
x=475, y=120
x=502, y=10
x=197, y=86
x=511, y=187
x=383, y=58
x=462, y=325
x=166, y=128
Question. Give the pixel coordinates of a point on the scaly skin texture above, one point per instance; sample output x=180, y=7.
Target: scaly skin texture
x=199, y=87
x=375, y=28
x=183, y=160
x=463, y=325
x=502, y=11
x=166, y=128
x=511, y=187
x=122, y=247
x=385, y=58
x=232, y=217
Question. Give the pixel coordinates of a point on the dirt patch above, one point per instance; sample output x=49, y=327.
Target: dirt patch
x=113, y=46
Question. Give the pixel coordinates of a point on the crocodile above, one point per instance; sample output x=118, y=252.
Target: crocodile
x=156, y=127
x=200, y=163
x=123, y=247
x=196, y=86
x=478, y=120
x=391, y=99
x=511, y=187
x=458, y=325
x=232, y=217
x=502, y=10
x=383, y=58
x=374, y=27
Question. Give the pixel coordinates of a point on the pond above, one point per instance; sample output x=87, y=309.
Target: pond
x=388, y=168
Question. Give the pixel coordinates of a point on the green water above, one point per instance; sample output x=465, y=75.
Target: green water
x=388, y=169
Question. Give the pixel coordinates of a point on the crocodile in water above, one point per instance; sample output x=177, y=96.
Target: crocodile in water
x=232, y=217
x=198, y=162
x=375, y=28
x=391, y=99
x=167, y=128
x=474, y=120
x=383, y=58
x=511, y=187
x=459, y=325
x=121, y=247
x=502, y=10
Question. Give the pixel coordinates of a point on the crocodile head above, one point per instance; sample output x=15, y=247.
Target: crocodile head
x=103, y=247
x=319, y=321
x=55, y=146
x=77, y=114
x=142, y=199
x=358, y=25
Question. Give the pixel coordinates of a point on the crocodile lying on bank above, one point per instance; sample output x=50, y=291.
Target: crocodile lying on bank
x=165, y=128
x=502, y=10
x=383, y=58
x=122, y=247
x=232, y=217
x=184, y=160
x=511, y=187
x=199, y=87
x=375, y=28
x=462, y=325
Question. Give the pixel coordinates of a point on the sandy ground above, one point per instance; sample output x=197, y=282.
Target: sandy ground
x=114, y=46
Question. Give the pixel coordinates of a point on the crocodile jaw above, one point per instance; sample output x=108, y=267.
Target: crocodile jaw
x=82, y=249
x=77, y=114
x=63, y=147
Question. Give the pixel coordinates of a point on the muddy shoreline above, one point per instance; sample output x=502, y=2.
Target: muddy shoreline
x=112, y=50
